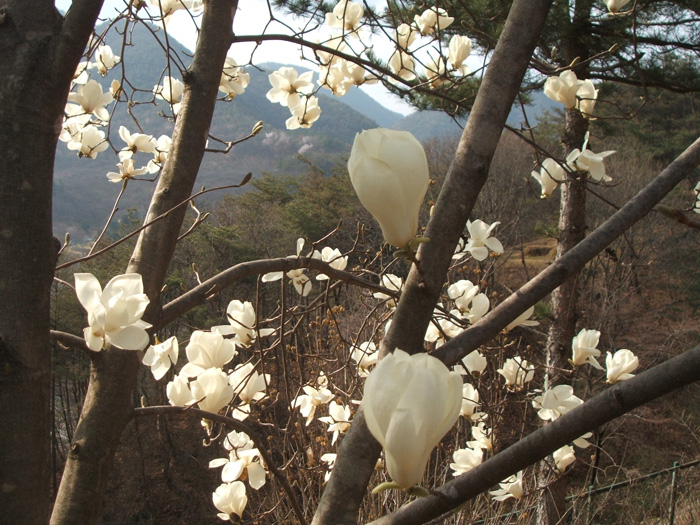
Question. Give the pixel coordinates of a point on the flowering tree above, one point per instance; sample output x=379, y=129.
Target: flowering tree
x=45, y=96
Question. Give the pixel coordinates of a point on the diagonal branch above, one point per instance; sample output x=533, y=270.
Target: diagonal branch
x=538, y=287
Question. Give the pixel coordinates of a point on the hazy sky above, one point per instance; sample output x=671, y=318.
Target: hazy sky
x=256, y=15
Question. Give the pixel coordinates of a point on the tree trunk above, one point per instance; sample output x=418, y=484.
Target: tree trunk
x=110, y=400
x=38, y=56
x=572, y=229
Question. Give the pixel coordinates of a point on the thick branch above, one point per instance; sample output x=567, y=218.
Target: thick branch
x=610, y=404
x=108, y=403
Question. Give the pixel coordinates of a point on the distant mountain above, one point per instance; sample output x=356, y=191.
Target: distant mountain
x=83, y=197
x=427, y=125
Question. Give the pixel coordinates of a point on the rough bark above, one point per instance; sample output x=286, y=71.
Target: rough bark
x=359, y=451
x=564, y=305
x=109, y=400
x=38, y=55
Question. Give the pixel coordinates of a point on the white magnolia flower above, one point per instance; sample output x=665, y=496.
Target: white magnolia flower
x=510, y=488
x=475, y=363
x=389, y=172
x=405, y=36
x=563, y=457
x=212, y=390
x=179, y=393
x=329, y=460
x=556, y=402
x=523, y=319
x=171, y=91
x=480, y=240
x=480, y=304
x=164, y=9
x=482, y=437
x=586, y=97
x=127, y=171
x=459, y=49
x=304, y=114
x=248, y=384
x=614, y=6
x=365, y=356
x=334, y=258
x=403, y=65
x=161, y=357
x=81, y=76
x=586, y=161
x=550, y=175
x=135, y=142
x=338, y=419
x=346, y=16
x=207, y=350
x=435, y=69
x=160, y=154
x=390, y=282
x=583, y=347
x=563, y=88
x=114, y=314
x=410, y=402
x=241, y=316
x=105, y=60
x=243, y=459
x=462, y=292
x=311, y=399
x=234, y=79
x=288, y=85
x=466, y=459
x=517, y=372
x=696, y=208
x=448, y=327
x=88, y=142
x=89, y=99
x=230, y=499
x=621, y=365
x=470, y=401
x=432, y=20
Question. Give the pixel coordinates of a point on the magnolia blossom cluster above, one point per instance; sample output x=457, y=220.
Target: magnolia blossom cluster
x=572, y=92
x=696, y=207
x=582, y=161
x=205, y=379
x=437, y=69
